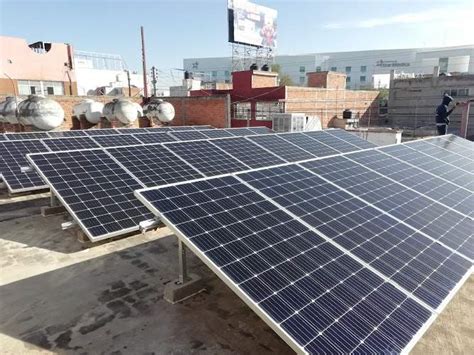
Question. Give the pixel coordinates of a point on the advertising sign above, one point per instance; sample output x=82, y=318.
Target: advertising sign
x=252, y=24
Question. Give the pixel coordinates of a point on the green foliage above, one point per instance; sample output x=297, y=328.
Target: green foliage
x=285, y=79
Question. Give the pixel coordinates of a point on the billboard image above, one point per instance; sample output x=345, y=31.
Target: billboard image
x=252, y=24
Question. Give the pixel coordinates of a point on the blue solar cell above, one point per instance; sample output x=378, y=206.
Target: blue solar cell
x=150, y=138
x=70, y=143
x=188, y=135
x=70, y=133
x=217, y=133
x=26, y=135
x=350, y=138
x=310, y=144
x=95, y=190
x=376, y=238
x=281, y=147
x=13, y=158
x=248, y=152
x=304, y=284
x=206, y=158
x=240, y=132
x=116, y=140
x=154, y=165
x=101, y=131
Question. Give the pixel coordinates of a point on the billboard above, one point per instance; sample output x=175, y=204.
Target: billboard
x=252, y=24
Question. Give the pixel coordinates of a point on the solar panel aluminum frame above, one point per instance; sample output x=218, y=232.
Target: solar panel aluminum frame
x=70, y=211
x=231, y=284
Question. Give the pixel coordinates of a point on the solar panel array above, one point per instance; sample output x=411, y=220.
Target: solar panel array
x=352, y=252
x=89, y=139
x=165, y=163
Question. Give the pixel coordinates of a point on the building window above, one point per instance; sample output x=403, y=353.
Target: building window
x=214, y=73
x=458, y=92
x=318, y=68
x=266, y=109
x=302, y=69
x=333, y=68
x=227, y=73
x=242, y=111
x=348, y=69
x=38, y=87
x=463, y=92
x=443, y=65
x=348, y=80
x=363, y=68
x=362, y=78
x=302, y=80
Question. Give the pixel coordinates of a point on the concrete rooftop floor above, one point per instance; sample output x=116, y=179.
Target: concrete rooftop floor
x=58, y=295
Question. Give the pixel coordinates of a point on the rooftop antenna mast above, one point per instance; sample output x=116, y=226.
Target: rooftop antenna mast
x=145, y=83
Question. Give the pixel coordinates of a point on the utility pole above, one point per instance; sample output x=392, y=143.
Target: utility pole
x=145, y=83
x=153, y=79
x=129, y=85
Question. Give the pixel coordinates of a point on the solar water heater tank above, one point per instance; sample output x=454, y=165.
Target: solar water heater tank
x=40, y=112
x=8, y=109
x=92, y=110
x=159, y=110
x=123, y=110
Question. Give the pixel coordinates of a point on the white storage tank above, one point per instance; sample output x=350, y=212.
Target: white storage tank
x=92, y=110
x=123, y=110
x=8, y=109
x=159, y=110
x=40, y=112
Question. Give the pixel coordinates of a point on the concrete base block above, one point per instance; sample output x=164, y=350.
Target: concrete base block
x=48, y=210
x=176, y=292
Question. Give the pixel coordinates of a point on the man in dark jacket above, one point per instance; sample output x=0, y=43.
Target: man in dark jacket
x=442, y=115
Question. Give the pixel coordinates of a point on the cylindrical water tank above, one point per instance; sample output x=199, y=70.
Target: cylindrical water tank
x=41, y=112
x=159, y=110
x=91, y=109
x=123, y=110
x=8, y=109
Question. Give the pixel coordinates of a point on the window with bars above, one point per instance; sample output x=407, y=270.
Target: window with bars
x=265, y=109
x=242, y=111
x=39, y=87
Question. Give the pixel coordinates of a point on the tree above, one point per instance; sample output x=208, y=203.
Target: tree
x=285, y=79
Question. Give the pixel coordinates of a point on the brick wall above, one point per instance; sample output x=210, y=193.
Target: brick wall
x=203, y=110
x=329, y=104
x=326, y=79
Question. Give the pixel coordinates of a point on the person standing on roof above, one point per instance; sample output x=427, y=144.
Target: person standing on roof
x=442, y=114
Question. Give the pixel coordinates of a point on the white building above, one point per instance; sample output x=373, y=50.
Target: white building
x=104, y=71
x=360, y=66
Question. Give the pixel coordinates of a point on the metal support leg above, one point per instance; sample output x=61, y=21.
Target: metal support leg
x=183, y=269
x=53, y=201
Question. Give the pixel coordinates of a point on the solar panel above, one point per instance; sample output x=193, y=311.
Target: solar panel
x=2, y=137
x=318, y=298
x=415, y=262
x=95, y=190
x=311, y=145
x=70, y=143
x=332, y=141
x=199, y=127
x=439, y=189
x=13, y=158
x=157, y=129
x=217, y=133
x=239, y=132
x=154, y=165
x=101, y=131
x=431, y=164
x=261, y=130
x=116, y=140
x=350, y=138
x=131, y=130
x=450, y=157
x=187, y=135
x=454, y=144
x=181, y=128
x=427, y=216
x=150, y=138
x=70, y=133
x=248, y=152
x=206, y=158
x=26, y=135
x=282, y=148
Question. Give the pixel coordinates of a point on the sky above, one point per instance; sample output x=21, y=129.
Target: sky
x=185, y=28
